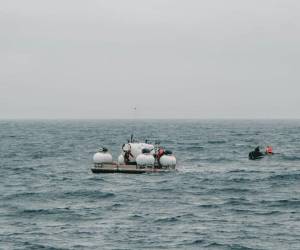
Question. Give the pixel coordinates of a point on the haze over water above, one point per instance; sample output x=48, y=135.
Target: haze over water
x=217, y=199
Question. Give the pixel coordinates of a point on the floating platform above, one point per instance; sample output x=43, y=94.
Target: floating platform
x=127, y=169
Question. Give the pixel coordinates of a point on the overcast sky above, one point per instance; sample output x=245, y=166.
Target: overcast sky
x=170, y=59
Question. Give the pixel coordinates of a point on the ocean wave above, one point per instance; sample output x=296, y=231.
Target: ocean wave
x=83, y=194
x=243, y=171
x=43, y=154
x=175, y=218
x=36, y=246
x=197, y=242
x=22, y=195
x=87, y=194
x=278, y=177
x=216, y=141
x=221, y=159
x=191, y=243
x=232, y=190
x=290, y=157
x=11, y=155
x=167, y=219
x=191, y=148
x=272, y=212
x=209, y=205
x=238, y=134
x=282, y=203
x=228, y=246
x=45, y=211
x=237, y=201
x=115, y=205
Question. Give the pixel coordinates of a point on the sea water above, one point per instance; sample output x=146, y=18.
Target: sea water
x=218, y=199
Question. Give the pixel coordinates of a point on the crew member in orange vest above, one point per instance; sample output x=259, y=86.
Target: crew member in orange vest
x=269, y=150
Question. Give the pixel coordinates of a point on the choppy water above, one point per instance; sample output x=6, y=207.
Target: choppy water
x=217, y=200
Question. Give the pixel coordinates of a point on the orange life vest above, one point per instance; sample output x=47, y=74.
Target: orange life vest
x=269, y=150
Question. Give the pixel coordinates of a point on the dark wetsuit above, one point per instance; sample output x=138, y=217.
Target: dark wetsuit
x=256, y=154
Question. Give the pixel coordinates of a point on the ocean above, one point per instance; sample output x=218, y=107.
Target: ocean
x=218, y=199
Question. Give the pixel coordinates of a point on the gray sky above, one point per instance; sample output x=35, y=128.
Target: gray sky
x=170, y=59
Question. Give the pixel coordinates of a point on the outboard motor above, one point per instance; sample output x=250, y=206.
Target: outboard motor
x=102, y=156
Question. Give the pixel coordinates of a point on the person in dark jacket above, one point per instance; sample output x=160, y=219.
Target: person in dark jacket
x=256, y=154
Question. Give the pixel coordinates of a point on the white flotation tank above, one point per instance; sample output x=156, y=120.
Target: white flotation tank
x=145, y=160
x=102, y=156
x=168, y=161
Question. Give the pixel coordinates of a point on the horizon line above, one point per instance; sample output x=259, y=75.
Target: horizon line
x=140, y=119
